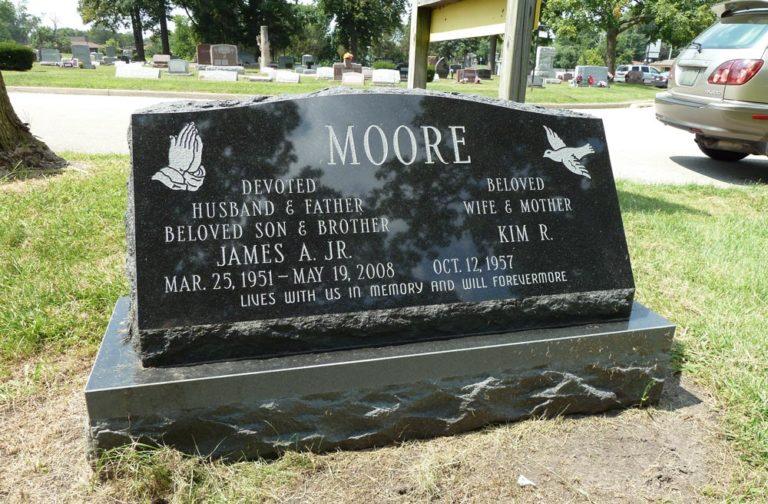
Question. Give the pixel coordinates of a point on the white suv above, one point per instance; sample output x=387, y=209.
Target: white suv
x=650, y=74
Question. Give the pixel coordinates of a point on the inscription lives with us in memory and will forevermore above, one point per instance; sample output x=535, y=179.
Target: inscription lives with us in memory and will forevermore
x=252, y=261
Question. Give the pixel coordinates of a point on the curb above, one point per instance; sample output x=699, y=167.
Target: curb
x=609, y=105
x=232, y=96
x=125, y=92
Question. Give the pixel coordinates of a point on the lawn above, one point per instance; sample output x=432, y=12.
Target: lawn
x=103, y=78
x=698, y=253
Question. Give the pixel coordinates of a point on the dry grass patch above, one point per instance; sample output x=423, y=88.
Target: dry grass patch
x=675, y=452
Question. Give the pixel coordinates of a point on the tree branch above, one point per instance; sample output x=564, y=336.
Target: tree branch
x=629, y=23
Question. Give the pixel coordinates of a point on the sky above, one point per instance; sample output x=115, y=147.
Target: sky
x=64, y=11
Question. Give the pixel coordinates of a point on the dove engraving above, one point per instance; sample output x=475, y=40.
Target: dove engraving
x=185, y=171
x=569, y=156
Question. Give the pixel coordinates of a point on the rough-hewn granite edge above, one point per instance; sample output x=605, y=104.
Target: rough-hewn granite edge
x=199, y=106
x=276, y=337
x=358, y=419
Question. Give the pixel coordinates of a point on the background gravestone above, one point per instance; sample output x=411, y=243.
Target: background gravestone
x=83, y=55
x=634, y=77
x=307, y=61
x=598, y=73
x=285, y=62
x=224, y=55
x=50, y=56
x=246, y=58
x=545, y=62
x=178, y=66
x=203, y=54
x=441, y=68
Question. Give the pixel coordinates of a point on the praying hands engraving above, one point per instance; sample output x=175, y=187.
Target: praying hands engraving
x=185, y=171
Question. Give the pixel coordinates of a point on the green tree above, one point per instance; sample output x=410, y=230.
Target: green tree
x=591, y=56
x=614, y=17
x=239, y=21
x=16, y=23
x=678, y=23
x=116, y=14
x=359, y=22
x=314, y=36
x=392, y=46
x=183, y=42
x=455, y=50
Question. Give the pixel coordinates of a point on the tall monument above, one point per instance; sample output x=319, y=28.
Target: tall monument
x=264, y=47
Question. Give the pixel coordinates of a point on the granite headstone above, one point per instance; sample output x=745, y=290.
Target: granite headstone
x=224, y=55
x=203, y=54
x=217, y=75
x=598, y=73
x=83, y=55
x=279, y=233
x=178, y=66
x=545, y=62
x=49, y=56
x=161, y=60
x=406, y=276
x=285, y=62
x=136, y=71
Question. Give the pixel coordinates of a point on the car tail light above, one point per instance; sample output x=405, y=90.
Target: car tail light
x=735, y=72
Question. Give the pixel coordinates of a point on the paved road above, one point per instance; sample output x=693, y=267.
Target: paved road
x=642, y=149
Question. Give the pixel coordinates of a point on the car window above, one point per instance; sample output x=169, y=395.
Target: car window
x=635, y=68
x=735, y=32
x=622, y=68
x=645, y=69
x=654, y=71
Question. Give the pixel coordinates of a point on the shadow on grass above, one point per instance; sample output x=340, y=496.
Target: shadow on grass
x=20, y=174
x=752, y=170
x=675, y=396
x=634, y=202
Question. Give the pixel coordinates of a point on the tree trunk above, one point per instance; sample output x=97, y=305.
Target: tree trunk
x=353, y=46
x=610, y=50
x=138, y=32
x=18, y=147
x=492, y=53
x=164, y=28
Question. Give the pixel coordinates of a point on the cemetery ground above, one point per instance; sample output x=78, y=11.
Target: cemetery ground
x=104, y=78
x=699, y=255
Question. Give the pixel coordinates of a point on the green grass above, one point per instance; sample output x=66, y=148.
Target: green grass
x=104, y=78
x=61, y=258
x=151, y=475
x=699, y=255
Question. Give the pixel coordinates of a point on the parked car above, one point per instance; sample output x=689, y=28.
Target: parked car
x=649, y=73
x=661, y=80
x=718, y=87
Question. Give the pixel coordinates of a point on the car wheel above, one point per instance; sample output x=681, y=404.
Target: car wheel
x=722, y=155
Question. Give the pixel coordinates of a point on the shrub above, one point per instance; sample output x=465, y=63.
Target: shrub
x=15, y=56
x=430, y=73
x=384, y=65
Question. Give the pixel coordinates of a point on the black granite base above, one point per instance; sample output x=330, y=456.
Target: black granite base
x=368, y=397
